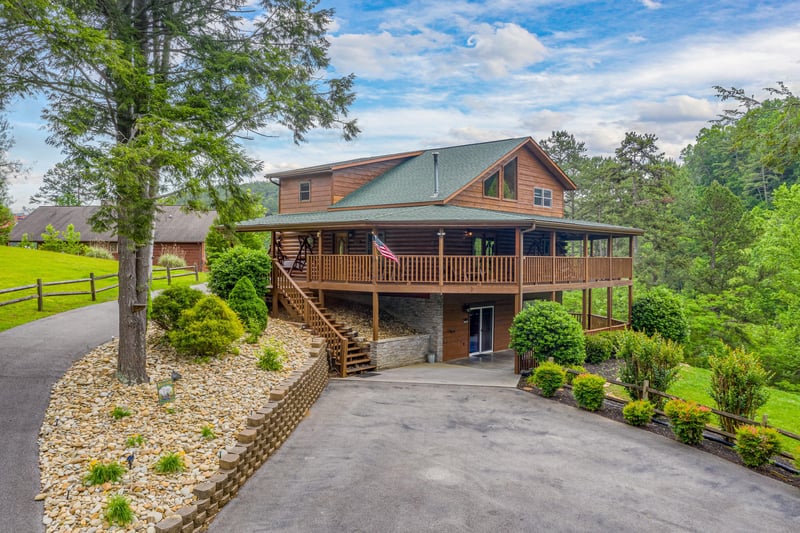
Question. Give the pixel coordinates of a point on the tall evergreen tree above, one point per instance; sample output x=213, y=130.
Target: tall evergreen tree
x=155, y=96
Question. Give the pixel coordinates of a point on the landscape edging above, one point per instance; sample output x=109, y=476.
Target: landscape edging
x=267, y=428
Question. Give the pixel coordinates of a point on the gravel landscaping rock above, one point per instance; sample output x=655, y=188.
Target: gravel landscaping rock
x=78, y=427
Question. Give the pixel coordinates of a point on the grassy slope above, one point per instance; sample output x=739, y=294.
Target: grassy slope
x=782, y=408
x=22, y=267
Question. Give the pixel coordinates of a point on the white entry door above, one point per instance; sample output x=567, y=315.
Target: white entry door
x=481, y=330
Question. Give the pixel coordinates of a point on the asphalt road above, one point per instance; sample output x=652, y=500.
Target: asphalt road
x=32, y=358
x=394, y=457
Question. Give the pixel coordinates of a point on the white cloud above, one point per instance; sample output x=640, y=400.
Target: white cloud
x=680, y=108
x=635, y=38
x=503, y=47
x=652, y=4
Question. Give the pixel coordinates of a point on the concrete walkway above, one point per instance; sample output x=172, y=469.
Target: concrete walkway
x=402, y=457
x=33, y=357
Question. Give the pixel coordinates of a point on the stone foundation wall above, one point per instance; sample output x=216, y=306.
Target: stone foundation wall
x=267, y=429
x=422, y=314
x=400, y=351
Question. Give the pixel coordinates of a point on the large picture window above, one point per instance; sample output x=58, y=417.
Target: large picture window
x=510, y=180
x=305, y=191
x=542, y=197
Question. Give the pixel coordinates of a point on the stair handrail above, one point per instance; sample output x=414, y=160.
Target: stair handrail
x=310, y=306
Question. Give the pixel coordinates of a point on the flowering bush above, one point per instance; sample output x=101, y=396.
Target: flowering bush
x=688, y=420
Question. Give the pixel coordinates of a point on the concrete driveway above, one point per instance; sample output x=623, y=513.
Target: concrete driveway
x=383, y=456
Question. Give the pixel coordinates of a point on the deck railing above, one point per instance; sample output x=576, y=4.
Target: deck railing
x=293, y=295
x=467, y=269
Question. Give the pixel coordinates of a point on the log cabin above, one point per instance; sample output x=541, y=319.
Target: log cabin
x=453, y=241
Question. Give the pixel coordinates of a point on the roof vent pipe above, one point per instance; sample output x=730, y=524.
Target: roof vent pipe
x=435, y=175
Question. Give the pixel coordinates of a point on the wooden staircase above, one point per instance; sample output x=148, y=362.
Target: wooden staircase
x=347, y=354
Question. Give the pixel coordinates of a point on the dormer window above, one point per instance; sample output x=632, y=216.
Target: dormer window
x=542, y=197
x=305, y=191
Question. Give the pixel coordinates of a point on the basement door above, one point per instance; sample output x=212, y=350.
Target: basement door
x=481, y=330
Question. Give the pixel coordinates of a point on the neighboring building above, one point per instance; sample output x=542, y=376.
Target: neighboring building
x=477, y=230
x=176, y=231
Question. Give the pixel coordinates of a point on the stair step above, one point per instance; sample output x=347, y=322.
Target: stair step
x=364, y=368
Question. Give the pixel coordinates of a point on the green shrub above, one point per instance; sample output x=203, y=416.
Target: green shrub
x=569, y=376
x=653, y=359
x=688, y=420
x=118, y=510
x=251, y=309
x=757, y=444
x=616, y=338
x=25, y=242
x=638, y=412
x=72, y=241
x=660, y=312
x=134, y=441
x=207, y=329
x=738, y=385
x=171, y=302
x=589, y=391
x=51, y=240
x=207, y=432
x=171, y=261
x=100, y=473
x=237, y=263
x=598, y=348
x=548, y=330
x=272, y=356
x=170, y=463
x=119, y=412
x=98, y=252
x=549, y=377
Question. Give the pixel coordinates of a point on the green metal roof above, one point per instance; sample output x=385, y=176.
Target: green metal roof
x=444, y=215
x=413, y=181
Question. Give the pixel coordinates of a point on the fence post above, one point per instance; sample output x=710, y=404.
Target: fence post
x=40, y=293
x=645, y=385
x=169, y=276
x=91, y=283
x=764, y=420
x=196, y=275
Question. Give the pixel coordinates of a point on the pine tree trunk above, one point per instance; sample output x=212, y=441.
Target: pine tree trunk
x=134, y=281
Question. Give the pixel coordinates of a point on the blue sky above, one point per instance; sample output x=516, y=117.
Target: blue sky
x=432, y=73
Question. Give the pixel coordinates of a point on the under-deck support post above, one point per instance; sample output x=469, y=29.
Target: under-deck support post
x=375, y=310
x=584, y=299
x=589, y=310
x=518, y=298
x=375, y=315
x=553, y=257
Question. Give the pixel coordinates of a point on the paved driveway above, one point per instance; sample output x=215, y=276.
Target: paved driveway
x=382, y=456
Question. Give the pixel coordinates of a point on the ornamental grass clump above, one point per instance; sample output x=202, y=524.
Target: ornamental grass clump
x=756, y=444
x=118, y=510
x=589, y=391
x=119, y=412
x=638, y=412
x=170, y=463
x=100, y=473
x=171, y=261
x=738, y=385
x=207, y=329
x=688, y=420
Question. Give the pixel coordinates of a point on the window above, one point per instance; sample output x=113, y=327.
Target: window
x=510, y=180
x=542, y=197
x=305, y=191
x=490, y=185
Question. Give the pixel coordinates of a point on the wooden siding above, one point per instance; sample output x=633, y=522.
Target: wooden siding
x=349, y=179
x=455, y=333
x=289, y=200
x=531, y=173
x=192, y=253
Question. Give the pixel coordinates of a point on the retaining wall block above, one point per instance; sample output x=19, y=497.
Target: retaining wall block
x=172, y=524
x=255, y=420
x=203, y=491
x=188, y=528
x=228, y=461
x=247, y=435
x=187, y=513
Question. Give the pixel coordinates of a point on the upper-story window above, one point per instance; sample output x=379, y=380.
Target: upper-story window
x=542, y=197
x=305, y=191
x=505, y=182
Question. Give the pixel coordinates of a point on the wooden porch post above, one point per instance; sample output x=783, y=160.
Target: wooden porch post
x=375, y=314
x=584, y=297
x=630, y=302
x=610, y=289
x=319, y=257
x=518, y=298
x=589, y=310
x=441, y=257
x=585, y=257
x=553, y=256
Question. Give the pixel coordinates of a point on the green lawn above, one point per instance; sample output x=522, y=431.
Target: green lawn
x=782, y=408
x=23, y=266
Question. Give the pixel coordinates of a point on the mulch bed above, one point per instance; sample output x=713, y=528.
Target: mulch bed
x=613, y=410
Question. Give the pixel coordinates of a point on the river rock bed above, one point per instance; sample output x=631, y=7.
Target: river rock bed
x=78, y=427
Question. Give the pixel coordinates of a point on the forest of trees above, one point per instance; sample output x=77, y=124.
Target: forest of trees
x=722, y=228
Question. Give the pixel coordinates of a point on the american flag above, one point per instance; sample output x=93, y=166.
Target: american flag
x=384, y=250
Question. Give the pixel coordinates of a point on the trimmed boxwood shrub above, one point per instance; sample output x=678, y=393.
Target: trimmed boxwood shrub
x=688, y=419
x=638, y=412
x=598, y=348
x=549, y=377
x=237, y=263
x=660, y=312
x=166, y=308
x=548, y=330
x=251, y=309
x=653, y=359
x=756, y=444
x=589, y=391
x=206, y=329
